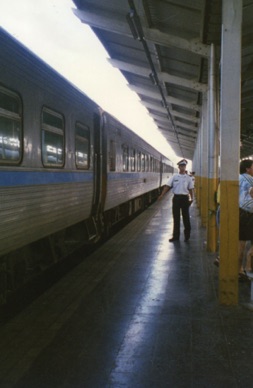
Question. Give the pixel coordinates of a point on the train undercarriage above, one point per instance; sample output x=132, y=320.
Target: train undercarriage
x=26, y=265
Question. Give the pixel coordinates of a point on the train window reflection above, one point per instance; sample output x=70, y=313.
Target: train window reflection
x=147, y=162
x=151, y=163
x=52, y=138
x=139, y=161
x=132, y=159
x=10, y=127
x=82, y=142
x=125, y=158
x=142, y=162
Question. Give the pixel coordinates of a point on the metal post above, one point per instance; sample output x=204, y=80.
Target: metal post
x=196, y=163
x=230, y=119
x=213, y=157
x=204, y=163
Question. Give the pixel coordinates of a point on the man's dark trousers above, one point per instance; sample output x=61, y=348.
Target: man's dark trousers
x=181, y=203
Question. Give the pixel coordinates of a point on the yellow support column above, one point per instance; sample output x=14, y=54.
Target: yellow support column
x=204, y=162
x=229, y=232
x=212, y=155
x=212, y=232
x=230, y=121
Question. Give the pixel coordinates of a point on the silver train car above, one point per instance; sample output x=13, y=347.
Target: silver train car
x=68, y=170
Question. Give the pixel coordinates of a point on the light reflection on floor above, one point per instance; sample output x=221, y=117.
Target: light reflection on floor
x=152, y=298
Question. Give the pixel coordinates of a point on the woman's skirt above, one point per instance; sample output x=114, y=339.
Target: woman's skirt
x=245, y=225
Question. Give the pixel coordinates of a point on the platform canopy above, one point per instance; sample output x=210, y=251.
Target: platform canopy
x=162, y=48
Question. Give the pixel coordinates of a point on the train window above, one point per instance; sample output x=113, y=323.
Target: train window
x=139, y=161
x=112, y=156
x=142, y=162
x=52, y=138
x=125, y=158
x=156, y=165
x=10, y=127
x=151, y=163
x=82, y=143
x=132, y=160
x=147, y=162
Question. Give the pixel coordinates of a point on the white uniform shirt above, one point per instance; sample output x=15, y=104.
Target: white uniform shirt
x=180, y=184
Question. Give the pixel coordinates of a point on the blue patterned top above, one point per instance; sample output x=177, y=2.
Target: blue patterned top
x=245, y=199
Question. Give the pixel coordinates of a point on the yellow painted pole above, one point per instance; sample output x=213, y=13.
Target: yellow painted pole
x=229, y=232
x=204, y=162
x=230, y=121
x=212, y=154
x=212, y=231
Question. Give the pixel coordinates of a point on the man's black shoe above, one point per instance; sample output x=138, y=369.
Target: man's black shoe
x=187, y=239
x=173, y=239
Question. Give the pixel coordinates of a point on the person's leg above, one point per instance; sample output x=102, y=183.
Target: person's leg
x=248, y=267
x=241, y=254
x=186, y=218
x=176, y=218
x=244, y=236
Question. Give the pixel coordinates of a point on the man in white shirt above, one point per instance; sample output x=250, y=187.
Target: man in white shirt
x=182, y=187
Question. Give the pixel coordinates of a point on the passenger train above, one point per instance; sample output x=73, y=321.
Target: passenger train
x=68, y=170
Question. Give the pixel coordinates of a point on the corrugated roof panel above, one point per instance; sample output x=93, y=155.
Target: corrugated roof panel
x=183, y=18
x=172, y=45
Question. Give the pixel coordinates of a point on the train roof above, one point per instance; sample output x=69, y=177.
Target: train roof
x=22, y=55
x=32, y=63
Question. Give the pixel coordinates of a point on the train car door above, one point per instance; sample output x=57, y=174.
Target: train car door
x=161, y=172
x=99, y=166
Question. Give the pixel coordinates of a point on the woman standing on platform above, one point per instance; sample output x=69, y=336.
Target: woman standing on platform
x=246, y=213
x=182, y=186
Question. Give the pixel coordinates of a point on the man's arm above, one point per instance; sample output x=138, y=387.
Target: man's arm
x=191, y=191
x=165, y=190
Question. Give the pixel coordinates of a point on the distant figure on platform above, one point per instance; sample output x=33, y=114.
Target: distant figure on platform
x=182, y=187
x=192, y=174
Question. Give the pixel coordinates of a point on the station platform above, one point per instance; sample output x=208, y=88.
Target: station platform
x=140, y=312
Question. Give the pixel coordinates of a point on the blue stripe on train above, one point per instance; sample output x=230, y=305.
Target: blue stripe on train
x=130, y=175
x=24, y=178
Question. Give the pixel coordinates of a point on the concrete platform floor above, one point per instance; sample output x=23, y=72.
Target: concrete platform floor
x=138, y=313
